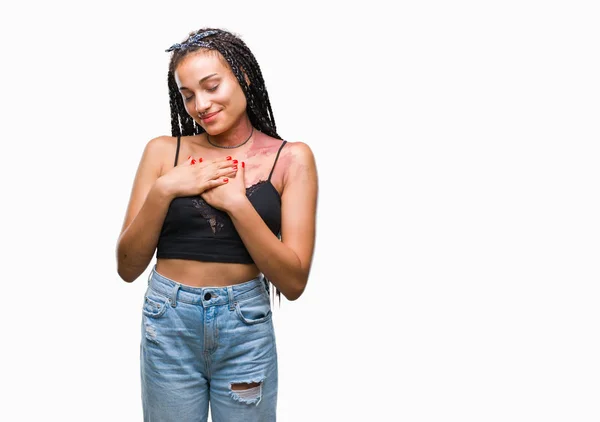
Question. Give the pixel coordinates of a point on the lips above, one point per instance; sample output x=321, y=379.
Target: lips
x=208, y=116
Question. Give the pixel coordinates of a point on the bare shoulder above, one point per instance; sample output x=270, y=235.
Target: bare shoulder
x=299, y=162
x=161, y=144
x=148, y=171
x=299, y=157
x=159, y=151
x=300, y=152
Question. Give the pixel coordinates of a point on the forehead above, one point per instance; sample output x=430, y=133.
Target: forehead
x=197, y=65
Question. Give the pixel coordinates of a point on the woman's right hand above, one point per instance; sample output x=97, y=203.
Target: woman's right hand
x=193, y=177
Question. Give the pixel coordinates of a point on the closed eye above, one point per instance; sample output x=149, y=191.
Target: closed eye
x=213, y=89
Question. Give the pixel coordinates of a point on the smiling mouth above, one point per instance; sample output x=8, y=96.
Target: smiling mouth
x=208, y=116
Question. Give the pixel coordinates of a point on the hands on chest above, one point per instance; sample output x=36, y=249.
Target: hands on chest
x=220, y=182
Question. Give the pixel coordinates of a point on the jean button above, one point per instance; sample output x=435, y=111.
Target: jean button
x=207, y=296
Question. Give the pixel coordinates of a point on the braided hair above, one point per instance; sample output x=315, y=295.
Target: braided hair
x=242, y=63
x=241, y=60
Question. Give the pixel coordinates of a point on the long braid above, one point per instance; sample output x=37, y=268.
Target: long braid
x=260, y=104
x=174, y=97
x=242, y=63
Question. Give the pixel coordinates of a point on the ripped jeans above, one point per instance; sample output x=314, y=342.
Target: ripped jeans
x=208, y=344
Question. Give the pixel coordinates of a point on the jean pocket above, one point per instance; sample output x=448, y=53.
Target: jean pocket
x=155, y=305
x=254, y=310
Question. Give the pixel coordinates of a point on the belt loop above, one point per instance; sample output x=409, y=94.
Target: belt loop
x=231, y=301
x=174, y=294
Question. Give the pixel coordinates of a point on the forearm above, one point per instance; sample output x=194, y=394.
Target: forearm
x=276, y=261
x=137, y=243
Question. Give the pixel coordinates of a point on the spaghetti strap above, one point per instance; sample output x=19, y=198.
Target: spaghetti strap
x=177, y=152
x=280, y=148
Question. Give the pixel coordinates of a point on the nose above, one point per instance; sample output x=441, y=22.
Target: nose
x=202, y=104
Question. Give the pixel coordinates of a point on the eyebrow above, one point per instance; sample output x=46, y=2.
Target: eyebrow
x=201, y=80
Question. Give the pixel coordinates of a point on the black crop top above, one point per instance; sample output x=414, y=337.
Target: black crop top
x=194, y=230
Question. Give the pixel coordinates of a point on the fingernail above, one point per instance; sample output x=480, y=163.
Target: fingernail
x=193, y=161
x=243, y=164
x=189, y=157
x=235, y=161
x=228, y=157
x=200, y=159
x=225, y=179
x=235, y=167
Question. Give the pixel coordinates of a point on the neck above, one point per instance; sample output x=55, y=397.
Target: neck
x=233, y=136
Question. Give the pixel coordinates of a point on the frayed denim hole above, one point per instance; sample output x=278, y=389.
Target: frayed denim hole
x=150, y=332
x=250, y=395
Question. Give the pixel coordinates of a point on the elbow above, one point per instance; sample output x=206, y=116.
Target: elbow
x=130, y=265
x=292, y=297
x=122, y=271
x=296, y=290
x=126, y=277
x=297, y=284
x=125, y=271
x=129, y=273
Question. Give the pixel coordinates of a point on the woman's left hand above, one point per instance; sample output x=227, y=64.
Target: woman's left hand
x=223, y=197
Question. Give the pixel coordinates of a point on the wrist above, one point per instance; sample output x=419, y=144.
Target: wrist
x=235, y=205
x=163, y=189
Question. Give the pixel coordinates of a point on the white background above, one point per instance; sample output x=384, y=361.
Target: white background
x=455, y=275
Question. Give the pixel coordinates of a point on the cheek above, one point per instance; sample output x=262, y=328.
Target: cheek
x=243, y=102
x=239, y=99
x=233, y=97
x=224, y=96
x=189, y=106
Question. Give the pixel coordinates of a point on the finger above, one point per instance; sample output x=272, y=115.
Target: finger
x=227, y=172
x=241, y=170
x=216, y=182
x=190, y=160
x=226, y=163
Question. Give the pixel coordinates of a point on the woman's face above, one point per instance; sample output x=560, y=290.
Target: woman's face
x=208, y=86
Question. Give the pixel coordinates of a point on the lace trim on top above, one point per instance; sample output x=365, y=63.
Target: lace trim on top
x=216, y=218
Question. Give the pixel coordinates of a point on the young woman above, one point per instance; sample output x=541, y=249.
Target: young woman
x=228, y=207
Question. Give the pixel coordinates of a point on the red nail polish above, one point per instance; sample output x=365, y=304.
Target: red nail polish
x=235, y=167
x=228, y=157
x=225, y=180
x=200, y=159
x=243, y=164
x=235, y=161
x=193, y=161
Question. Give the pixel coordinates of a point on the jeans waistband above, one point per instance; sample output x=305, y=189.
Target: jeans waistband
x=207, y=296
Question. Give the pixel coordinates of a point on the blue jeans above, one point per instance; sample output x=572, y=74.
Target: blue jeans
x=197, y=342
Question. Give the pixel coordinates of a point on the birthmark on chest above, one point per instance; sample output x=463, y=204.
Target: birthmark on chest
x=262, y=150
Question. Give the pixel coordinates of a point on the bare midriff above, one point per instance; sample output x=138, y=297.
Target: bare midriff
x=205, y=274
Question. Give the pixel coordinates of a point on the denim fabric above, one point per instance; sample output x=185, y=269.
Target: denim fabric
x=197, y=341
